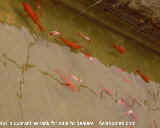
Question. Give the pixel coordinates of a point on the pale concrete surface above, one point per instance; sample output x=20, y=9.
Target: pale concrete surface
x=43, y=99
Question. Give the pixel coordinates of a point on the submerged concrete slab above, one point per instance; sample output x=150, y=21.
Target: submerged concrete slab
x=44, y=99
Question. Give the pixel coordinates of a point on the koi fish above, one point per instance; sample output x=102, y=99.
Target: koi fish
x=107, y=91
x=67, y=81
x=76, y=78
x=38, y=4
x=123, y=102
x=143, y=76
x=132, y=115
x=85, y=37
x=125, y=78
x=70, y=44
x=87, y=55
x=33, y=16
x=54, y=33
x=119, y=48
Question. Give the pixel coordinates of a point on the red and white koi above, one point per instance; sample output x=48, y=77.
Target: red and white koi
x=54, y=33
x=131, y=114
x=121, y=101
x=76, y=78
x=67, y=81
x=108, y=92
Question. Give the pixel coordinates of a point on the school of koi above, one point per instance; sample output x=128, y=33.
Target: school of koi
x=75, y=46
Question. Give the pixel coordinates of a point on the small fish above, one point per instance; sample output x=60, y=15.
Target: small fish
x=84, y=37
x=132, y=115
x=67, y=81
x=76, y=78
x=119, y=48
x=33, y=16
x=123, y=102
x=70, y=44
x=145, y=78
x=124, y=77
x=107, y=91
x=54, y=33
x=87, y=55
x=38, y=5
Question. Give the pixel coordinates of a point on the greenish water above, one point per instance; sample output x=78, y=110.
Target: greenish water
x=58, y=17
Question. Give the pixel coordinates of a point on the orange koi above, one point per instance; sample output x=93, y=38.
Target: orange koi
x=70, y=44
x=67, y=81
x=33, y=16
x=84, y=37
x=145, y=78
x=119, y=48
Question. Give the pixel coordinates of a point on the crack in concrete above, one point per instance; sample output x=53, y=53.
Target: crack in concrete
x=86, y=87
x=3, y=62
x=23, y=68
x=45, y=73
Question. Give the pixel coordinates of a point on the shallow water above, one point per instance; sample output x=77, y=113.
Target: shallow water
x=43, y=98
x=31, y=91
